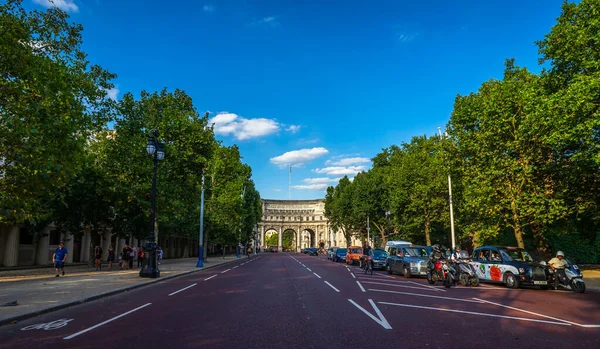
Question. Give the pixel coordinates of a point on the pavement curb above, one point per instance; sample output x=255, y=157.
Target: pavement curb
x=21, y=317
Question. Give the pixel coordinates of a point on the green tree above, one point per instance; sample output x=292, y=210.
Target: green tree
x=52, y=101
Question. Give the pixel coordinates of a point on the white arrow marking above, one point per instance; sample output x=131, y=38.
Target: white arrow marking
x=380, y=319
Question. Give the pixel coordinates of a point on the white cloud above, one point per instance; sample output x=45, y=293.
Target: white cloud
x=340, y=170
x=208, y=8
x=298, y=157
x=311, y=187
x=293, y=128
x=348, y=161
x=112, y=93
x=65, y=5
x=242, y=128
x=271, y=20
x=403, y=37
x=276, y=190
x=321, y=180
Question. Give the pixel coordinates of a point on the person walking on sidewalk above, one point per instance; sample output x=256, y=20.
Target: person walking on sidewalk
x=159, y=254
x=98, y=256
x=111, y=257
x=141, y=256
x=249, y=251
x=131, y=257
x=125, y=255
x=59, y=257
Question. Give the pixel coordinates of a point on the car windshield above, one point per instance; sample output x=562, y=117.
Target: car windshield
x=341, y=250
x=357, y=250
x=380, y=253
x=516, y=255
x=416, y=252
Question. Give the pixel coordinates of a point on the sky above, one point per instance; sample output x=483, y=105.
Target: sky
x=322, y=86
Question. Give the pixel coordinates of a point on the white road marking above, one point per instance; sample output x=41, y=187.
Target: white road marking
x=413, y=287
x=105, y=322
x=475, y=313
x=317, y=275
x=210, y=277
x=308, y=269
x=48, y=326
x=380, y=320
x=183, y=289
x=536, y=314
x=428, y=296
x=353, y=275
x=224, y=271
x=235, y=267
x=361, y=286
x=330, y=285
x=428, y=286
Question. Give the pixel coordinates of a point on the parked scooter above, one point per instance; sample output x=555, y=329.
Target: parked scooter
x=572, y=279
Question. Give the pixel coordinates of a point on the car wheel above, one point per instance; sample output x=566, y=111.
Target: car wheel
x=406, y=272
x=511, y=280
x=388, y=268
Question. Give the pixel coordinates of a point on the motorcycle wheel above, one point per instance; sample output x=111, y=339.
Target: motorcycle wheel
x=474, y=281
x=447, y=282
x=578, y=287
x=430, y=279
x=360, y=264
x=463, y=279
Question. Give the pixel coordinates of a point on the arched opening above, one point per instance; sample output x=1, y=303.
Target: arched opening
x=288, y=240
x=307, y=238
x=271, y=238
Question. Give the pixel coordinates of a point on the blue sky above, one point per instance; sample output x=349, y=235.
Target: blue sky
x=321, y=85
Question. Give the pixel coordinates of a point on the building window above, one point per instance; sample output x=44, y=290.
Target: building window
x=54, y=237
x=25, y=237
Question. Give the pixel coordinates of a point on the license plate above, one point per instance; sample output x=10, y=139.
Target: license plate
x=540, y=282
x=423, y=273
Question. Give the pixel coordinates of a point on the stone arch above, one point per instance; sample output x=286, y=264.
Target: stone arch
x=271, y=237
x=308, y=238
x=289, y=239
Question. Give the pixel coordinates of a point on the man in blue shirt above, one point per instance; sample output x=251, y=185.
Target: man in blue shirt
x=59, y=258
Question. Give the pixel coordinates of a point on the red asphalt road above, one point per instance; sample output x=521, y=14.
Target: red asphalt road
x=276, y=301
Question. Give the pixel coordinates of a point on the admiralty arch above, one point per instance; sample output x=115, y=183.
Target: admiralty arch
x=303, y=221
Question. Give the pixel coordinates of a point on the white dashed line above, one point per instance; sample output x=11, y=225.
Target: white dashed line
x=353, y=275
x=361, y=286
x=317, y=275
x=183, y=289
x=330, y=285
x=224, y=271
x=308, y=269
x=105, y=322
x=210, y=277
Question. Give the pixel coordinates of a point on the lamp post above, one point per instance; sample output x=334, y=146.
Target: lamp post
x=200, y=263
x=449, y=198
x=387, y=222
x=368, y=231
x=155, y=149
x=242, y=218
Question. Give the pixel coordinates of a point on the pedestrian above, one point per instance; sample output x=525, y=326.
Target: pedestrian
x=132, y=252
x=223, y=251
x=98, y=257
x=59, y=257
x=111, y=257
x=141, y=256
x=125, y=256
x=249, y=251
x=159, y=254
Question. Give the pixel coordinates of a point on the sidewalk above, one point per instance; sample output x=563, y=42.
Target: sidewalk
x=38, y=291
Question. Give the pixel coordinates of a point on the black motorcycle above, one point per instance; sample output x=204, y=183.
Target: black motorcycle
x=467, y=275
x=441, y=271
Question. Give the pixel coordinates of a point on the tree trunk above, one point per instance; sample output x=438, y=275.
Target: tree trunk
x=516, y=225
x=540, y=239
x=427, y=230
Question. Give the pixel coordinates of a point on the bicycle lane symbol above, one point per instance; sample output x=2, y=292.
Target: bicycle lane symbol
x=48, y=326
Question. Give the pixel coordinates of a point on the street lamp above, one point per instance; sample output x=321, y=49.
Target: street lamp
x=368, y=232
x=449, y=197
x=387, y=222
x=156, y=149
x=200, y=263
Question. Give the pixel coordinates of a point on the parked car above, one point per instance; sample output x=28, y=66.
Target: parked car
x=511, y=266
x=330, y=252
x=397, y=243
x=408, y=260
x=311, y=251
x=339, y=254
x=378, y=257
x=353, y=255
